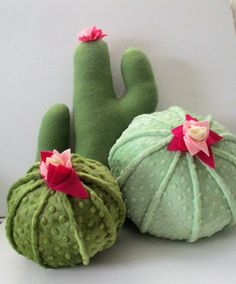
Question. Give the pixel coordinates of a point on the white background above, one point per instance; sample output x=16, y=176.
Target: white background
x=192, y=47
x=191, y=44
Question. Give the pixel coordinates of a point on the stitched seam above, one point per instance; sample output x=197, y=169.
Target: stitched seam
x=156, y=199
x=197, y=200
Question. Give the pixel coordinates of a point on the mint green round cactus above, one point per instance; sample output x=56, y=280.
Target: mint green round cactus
x=171, y=194
x=57, y=230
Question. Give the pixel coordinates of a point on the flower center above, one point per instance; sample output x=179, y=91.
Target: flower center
x=197, y=133
x=54, y=160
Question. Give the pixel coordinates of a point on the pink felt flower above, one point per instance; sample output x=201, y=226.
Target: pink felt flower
x=196, y=138
x=59, y=174
x=90, y=34
x=54, y=158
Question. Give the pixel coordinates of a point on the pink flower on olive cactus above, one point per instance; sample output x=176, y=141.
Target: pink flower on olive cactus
x=196, y=138
x=90, y=34
x=58, y=173
x=56, y=159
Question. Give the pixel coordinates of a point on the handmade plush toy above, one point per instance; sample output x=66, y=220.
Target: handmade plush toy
x=99, y=116
x=177, y=173
x=67, y=207
x=64, y=210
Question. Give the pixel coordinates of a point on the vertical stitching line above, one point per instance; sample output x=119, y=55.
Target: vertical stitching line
x=197, y=200
x=156, y=199
x=79, y=239
x=34, y=228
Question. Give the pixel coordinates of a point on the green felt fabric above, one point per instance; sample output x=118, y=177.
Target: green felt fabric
x=99, y=117
x=54, y=131
x=56, y=230
x=172, y=194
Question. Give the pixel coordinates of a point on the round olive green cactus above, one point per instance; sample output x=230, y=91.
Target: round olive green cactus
x=57, y=230
x=171, y=194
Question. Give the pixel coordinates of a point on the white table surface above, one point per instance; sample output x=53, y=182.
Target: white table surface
x=135, y=258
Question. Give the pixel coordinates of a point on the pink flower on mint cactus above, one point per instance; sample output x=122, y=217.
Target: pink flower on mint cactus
x=196, y=138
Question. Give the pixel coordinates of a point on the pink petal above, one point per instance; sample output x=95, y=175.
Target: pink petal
x=178, y=131
x=56, y=154
x=192, y=147
x=90, y=34
x=188, y=117
x=202, y=145
x=43, y=169
x=66, y=180
x=173, y=144
x=208, y=160
x=45, y=154
x=57, y=174
x=66, y=157
x=204, y=123
x=213, y=137
x=176, y=144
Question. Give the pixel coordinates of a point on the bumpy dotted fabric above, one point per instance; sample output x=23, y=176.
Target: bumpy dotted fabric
x=172, y=194
x=57, y=230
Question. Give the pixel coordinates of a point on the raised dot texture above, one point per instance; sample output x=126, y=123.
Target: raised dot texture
x=172, y=194
x=62, y=219
x=57, y=230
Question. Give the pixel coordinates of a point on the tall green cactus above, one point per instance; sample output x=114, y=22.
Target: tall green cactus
x=99, y=116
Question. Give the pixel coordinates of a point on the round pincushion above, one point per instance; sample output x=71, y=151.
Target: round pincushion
x=57, y=230
x=170, y=187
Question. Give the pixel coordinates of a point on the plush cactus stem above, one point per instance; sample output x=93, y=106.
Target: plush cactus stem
x=54, y=131
x=99, y=116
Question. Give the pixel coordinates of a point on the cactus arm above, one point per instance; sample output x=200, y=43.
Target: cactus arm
x=141, y=95
x=54, y=131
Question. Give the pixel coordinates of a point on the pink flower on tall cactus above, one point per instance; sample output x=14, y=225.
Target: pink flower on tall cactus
x=196, y=138
x=59, y=174
x=90, y=34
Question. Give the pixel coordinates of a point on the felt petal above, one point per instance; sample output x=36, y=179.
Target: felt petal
x=213, y=137
x=60, y=174
x=72, y=186
x=43, y=169
x=66, y=180
x=188, y=117
x=202, y=145
x=91, y=33
x=56, y=153
x=203, y=123
x=50, y=174
x=45, y=154
x=208, y=160
x=178, y=131
x=176, y=144
x=191, y=146
x=182, y=145
x=66, y=157
x=173, y=144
